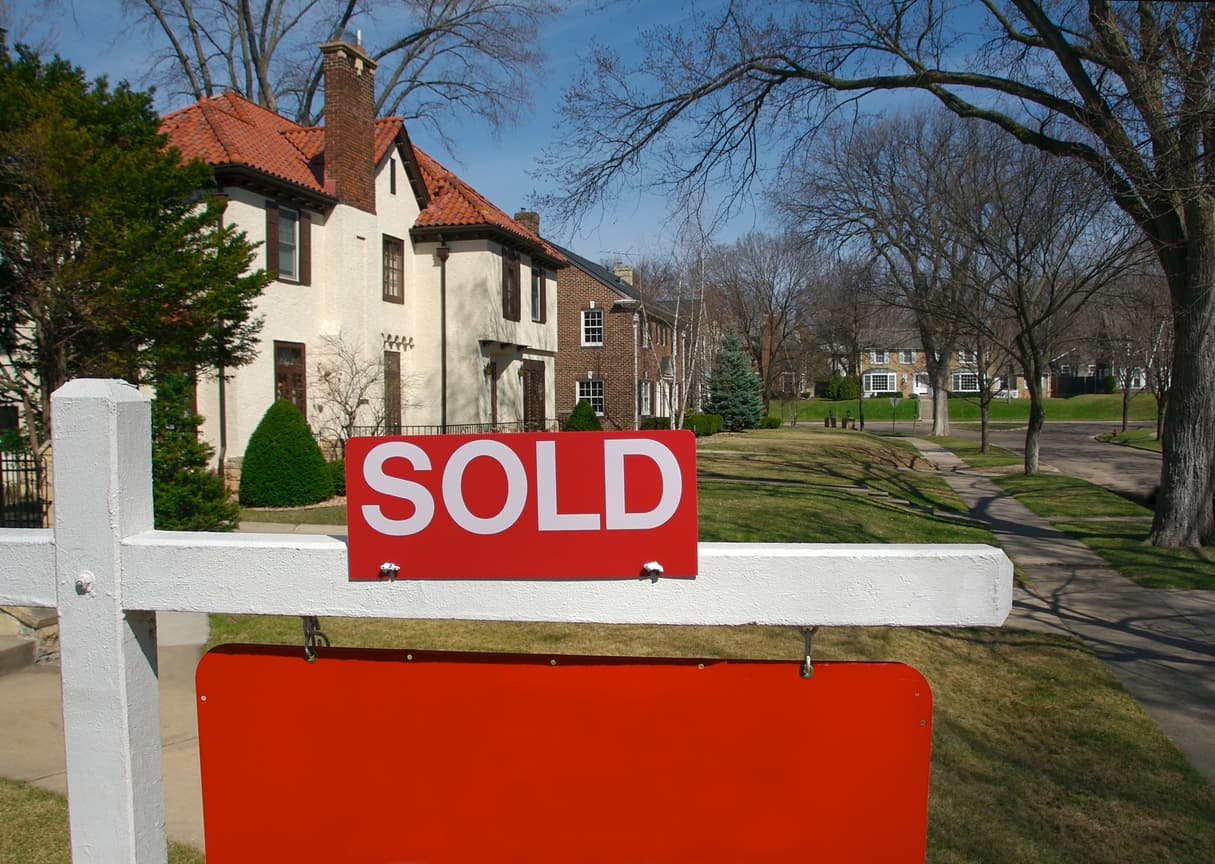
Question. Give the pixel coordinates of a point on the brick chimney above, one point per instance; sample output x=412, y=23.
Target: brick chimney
x=530, y=220
x=349, y=124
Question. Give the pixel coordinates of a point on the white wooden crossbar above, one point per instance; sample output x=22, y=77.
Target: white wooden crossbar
x=107, y=572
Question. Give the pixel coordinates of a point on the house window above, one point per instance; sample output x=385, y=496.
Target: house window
x=920, y=383
x=290, y=375
x=592, y=391
x=392, y=176
x=392, y=392
x=966, y=382
x=394, y=270
x=1138, y=379
x=966, y=357
x=288, y=243
x=645, y=332
x=538, y=296
x=662, y=334
x=643, y=398
x=592, y=327
x=510, y=285
x=906, y=356
x=880, y=382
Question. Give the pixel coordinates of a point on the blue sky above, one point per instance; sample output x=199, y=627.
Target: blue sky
x=94, y=35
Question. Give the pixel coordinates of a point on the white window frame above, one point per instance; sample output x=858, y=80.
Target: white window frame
x=644, y=402
x=889, y=377
x=588, y=329
x=960, y=379
x=876, y=357
x=594, y=392
x=906, y=356
x=966, y=357
x=288, y=247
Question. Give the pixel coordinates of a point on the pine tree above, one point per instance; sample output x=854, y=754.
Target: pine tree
x=186, y=495
x=735, y=391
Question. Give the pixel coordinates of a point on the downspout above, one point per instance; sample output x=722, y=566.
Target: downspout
x=442, y=252
x=636, y=407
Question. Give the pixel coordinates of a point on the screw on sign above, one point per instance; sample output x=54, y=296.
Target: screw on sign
x=606, y=505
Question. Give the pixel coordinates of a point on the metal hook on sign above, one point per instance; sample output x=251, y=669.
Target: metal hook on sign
x=651, y=570
x=313, y=637
x=807, y=669
x=389, y=571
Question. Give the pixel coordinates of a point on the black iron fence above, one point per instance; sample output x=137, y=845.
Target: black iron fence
x=458, y=428
x=25, y=498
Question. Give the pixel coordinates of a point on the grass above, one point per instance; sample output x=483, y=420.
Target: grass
x=1039, y=755
x=1144, y=438
x=34, y=828
x=1093, y=406
x=968, y=450
x=332, y=514
x=1077, y=507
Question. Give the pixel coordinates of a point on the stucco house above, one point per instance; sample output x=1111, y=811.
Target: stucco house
x=378, y=248
x=617, y=347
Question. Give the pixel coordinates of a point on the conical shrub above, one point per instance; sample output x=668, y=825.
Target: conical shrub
x=283, y=466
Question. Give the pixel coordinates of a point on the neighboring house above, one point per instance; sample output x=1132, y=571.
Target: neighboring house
x=373, y=243
x=894, y=364
x=616, y=347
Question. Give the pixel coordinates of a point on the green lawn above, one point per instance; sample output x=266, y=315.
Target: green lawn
x=1096, y=406
x=1074, y=506
x=1145, y=438
x=34, y=828
x=1039, y=755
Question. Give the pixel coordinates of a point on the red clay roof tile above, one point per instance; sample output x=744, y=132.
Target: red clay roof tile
x=231, y=130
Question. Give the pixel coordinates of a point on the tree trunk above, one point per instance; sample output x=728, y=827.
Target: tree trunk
x=939, y=378
x=1126, y=402
x=1187, y=470
x=1037, y=416
x=984, y=430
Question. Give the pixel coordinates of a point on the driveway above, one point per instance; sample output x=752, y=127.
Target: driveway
x=1070, y=449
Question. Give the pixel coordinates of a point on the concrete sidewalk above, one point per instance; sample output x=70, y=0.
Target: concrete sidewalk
x=1160, y=643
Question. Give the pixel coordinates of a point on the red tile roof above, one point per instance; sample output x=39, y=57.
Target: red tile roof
x=230, y=130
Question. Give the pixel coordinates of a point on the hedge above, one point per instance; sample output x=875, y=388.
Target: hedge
x=283, y=466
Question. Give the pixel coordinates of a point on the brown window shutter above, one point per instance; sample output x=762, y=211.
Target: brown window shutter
x=272, y=238
x=305, y=228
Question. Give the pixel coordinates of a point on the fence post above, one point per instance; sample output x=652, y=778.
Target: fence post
x=111, y=711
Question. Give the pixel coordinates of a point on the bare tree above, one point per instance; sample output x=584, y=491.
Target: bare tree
x=1122, y=89
x=890, y=184
x=764, y=283
x=1135, y=334
x=1045, y=242
x=435, y=57
x=350, y=395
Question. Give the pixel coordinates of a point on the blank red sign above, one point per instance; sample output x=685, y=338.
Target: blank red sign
x=386, y=757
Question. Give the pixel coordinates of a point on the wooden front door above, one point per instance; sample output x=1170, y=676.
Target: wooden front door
x=533, y=395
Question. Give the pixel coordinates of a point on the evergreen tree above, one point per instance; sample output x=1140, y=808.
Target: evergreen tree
x=582, y=418
x=187, y=496
x=115, y=261
x=283, y=466
x=735, y=391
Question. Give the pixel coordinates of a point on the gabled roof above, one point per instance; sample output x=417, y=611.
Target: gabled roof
x=614, y=283
x=231, y=132
x=455, y=204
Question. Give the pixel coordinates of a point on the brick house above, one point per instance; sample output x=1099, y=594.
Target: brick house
x=374, y=244
x=892, y=362
x=615, y=347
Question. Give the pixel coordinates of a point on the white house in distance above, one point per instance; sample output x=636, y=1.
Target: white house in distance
x=375, y=244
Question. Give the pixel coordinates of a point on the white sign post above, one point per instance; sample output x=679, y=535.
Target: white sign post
x=108, y=572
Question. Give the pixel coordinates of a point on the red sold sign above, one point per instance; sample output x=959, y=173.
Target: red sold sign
x=522, y=506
